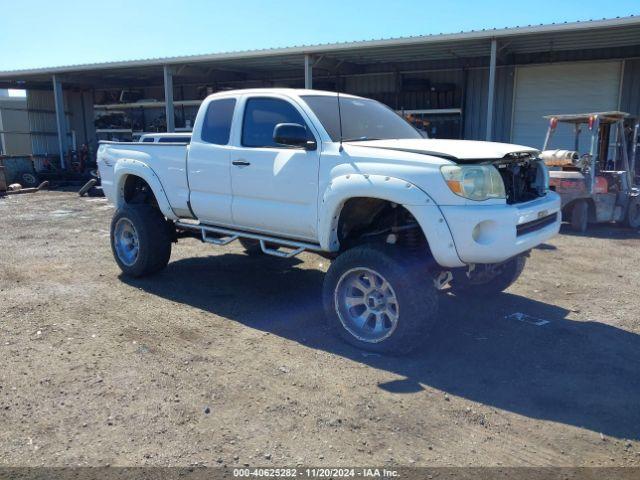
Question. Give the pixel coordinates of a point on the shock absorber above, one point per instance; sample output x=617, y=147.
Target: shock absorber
x=411, y=237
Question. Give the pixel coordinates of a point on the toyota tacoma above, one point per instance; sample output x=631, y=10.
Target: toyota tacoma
x=284, y=171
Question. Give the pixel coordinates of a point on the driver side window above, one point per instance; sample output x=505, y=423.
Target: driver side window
x=261, y=115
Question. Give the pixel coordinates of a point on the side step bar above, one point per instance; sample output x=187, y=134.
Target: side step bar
x=277, y=253
x=229, y=235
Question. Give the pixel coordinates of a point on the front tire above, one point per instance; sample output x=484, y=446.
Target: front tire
x=488, y=280
x=140, y=240
x=580, y=216
x=633, y=213
x=380, y=299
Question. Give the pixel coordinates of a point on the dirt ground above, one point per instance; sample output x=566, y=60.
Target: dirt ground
x=224, y=359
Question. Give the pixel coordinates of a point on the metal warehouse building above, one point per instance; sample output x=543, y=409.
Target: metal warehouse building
x=490, y=84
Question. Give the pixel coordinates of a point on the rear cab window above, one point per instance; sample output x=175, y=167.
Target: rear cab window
x=216, y=127
x=174, y=139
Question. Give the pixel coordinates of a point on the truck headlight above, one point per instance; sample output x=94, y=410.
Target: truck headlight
x=475, y=182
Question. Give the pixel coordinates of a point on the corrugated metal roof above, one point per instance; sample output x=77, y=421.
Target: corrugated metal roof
x=530, y=38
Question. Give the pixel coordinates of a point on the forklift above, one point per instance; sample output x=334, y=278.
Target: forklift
x=596, y=187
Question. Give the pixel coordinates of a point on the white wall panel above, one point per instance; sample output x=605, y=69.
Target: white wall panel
x=557, y=89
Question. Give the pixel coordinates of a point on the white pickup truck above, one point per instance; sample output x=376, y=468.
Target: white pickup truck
x=284, y=171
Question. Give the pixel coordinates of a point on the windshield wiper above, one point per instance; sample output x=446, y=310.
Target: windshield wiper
x=359, y=139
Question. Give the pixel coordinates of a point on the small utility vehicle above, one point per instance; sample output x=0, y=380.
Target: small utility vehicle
x=596, y=186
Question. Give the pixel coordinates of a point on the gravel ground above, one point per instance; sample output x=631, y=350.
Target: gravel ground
x=224, y=359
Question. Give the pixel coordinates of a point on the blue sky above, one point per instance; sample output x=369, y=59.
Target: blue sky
x=41, y=33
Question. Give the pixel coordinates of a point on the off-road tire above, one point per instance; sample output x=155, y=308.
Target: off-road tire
x=461, y=285
x=580, y=216
x=633, y=213
x=154, y=239
x=413, y=285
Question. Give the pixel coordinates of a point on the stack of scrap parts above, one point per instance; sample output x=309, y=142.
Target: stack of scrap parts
x=16, y=188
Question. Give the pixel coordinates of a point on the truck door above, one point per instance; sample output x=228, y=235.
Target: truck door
x=275, y=188
x=208, y=164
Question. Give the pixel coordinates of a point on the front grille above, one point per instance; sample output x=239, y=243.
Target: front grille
x=521, y=180
x=537, y=224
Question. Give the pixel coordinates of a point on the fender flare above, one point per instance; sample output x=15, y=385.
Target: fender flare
x=345, y=187
x=130, y=166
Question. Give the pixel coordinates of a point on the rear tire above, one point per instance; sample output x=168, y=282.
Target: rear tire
x=140, y=240
x=483, y=284
x=633, y=213
x=580, y=216
x=252, y=247
x=391, y=317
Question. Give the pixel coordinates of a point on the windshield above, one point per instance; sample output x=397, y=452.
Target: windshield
x=362, y=119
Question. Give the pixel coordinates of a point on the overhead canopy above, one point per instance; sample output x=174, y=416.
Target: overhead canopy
x=349, y=58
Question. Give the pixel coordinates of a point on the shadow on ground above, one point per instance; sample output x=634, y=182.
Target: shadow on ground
x=578, y=373
x=612, y=231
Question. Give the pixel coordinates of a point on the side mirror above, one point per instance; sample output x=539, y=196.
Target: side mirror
x=293, y=135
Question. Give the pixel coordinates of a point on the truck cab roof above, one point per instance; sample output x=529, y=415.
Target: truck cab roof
x=291, y=92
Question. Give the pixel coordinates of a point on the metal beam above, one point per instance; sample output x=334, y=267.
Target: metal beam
x=61, y=121
x=492, y=88
x=308, y=71
x=92, y=81
x=168, y=98
x=335, y=66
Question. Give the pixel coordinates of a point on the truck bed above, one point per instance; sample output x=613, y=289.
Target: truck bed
x=167, y=160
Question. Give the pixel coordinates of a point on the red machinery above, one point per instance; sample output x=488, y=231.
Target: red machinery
x=596, y=186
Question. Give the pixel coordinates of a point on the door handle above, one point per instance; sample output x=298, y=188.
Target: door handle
x=241, y=163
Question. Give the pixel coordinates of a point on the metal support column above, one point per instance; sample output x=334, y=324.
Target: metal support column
x=308, y=72
x=492, y=88
x=168, y=99
x=61, y=121
x=398, y=90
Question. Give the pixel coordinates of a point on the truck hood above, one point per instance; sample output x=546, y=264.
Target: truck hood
x=459, y=151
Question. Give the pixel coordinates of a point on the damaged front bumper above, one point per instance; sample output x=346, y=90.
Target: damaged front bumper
x=495, y=233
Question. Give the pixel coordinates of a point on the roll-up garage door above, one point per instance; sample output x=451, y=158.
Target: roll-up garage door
x=561, y=88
